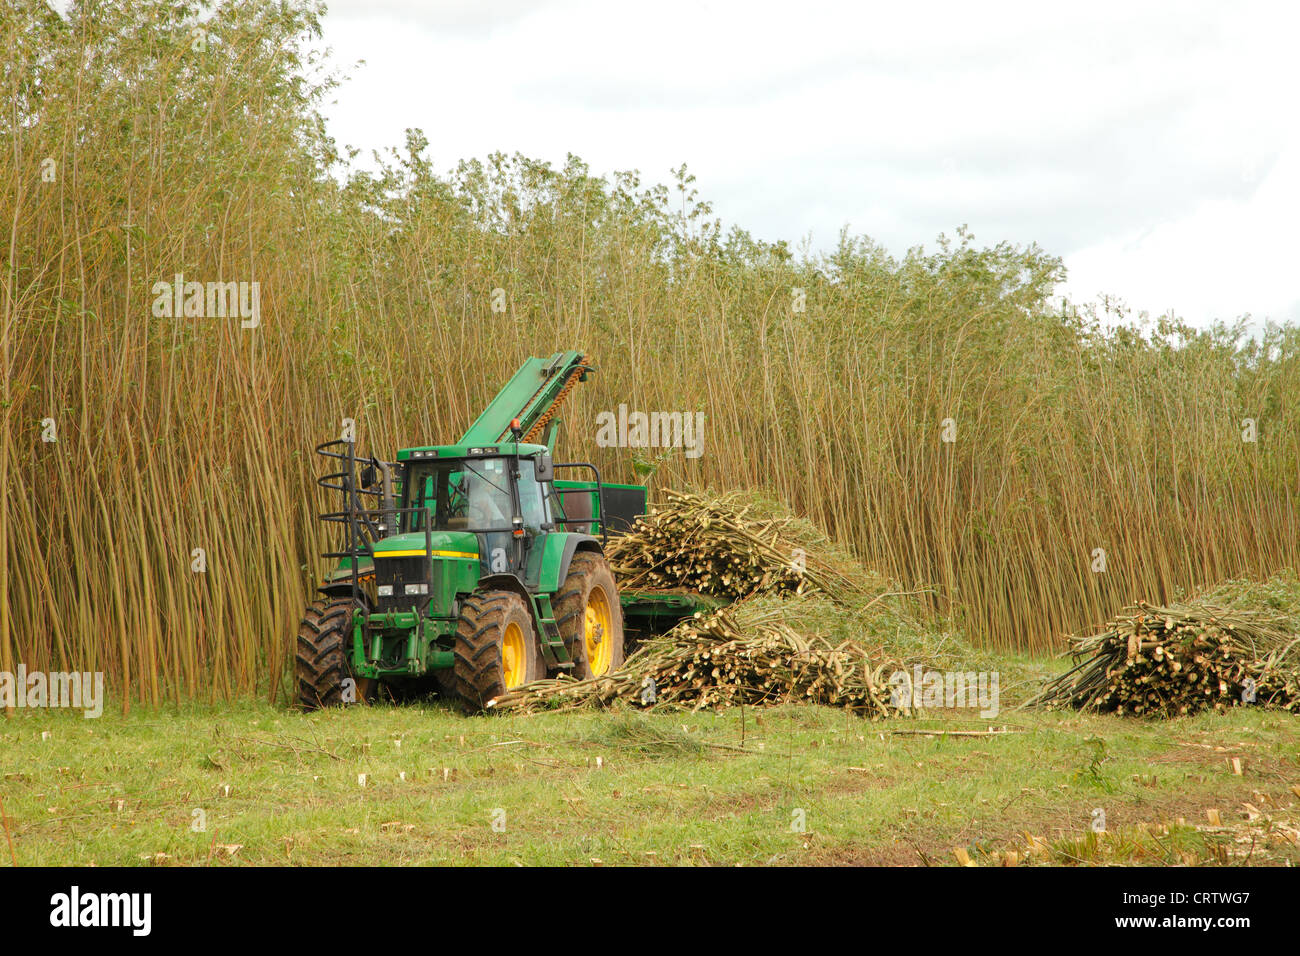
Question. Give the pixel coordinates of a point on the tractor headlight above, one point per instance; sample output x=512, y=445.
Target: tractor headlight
x=417, y=589
x=385, y=590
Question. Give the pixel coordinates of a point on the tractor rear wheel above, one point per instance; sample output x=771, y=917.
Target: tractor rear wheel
x=589, y=616
x=496, y=647
x=322, y=662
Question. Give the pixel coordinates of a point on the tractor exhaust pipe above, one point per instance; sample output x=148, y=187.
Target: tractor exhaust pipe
x=387, y=503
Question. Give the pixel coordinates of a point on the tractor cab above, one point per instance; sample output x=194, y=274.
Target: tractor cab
x=464, y=514
x=491, y=499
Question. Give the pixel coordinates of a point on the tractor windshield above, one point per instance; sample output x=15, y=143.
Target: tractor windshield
x=473, y=495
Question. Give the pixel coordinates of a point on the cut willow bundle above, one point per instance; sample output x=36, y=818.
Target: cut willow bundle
x=744, y=654
x=1168, y=661
x=730, y=546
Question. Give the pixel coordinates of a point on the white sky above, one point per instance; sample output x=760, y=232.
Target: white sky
x=1155, y=147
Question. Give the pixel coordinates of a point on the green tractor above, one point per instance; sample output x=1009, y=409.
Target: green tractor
x=471, y=565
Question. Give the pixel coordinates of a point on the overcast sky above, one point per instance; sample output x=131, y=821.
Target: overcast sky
x=1155, y=147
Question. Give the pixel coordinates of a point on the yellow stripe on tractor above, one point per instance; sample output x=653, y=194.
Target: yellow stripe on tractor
x=420, y=553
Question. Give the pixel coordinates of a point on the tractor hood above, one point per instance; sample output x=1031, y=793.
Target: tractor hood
x=446, y=544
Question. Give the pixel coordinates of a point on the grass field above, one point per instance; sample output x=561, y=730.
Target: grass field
x=628, y=788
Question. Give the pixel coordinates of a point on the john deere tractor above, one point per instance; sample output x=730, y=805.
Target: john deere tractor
x=469, y=564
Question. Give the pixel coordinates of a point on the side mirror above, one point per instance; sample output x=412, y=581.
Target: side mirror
x=543, y=467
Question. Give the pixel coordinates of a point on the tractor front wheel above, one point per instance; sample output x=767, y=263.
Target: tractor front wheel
x=324, y=638
x=496, y=647
x=590, y=617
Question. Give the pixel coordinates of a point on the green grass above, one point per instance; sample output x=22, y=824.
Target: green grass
x=629, y=788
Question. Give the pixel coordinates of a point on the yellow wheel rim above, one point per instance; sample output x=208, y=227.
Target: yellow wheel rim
x=512, y=656
x=600, y=630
